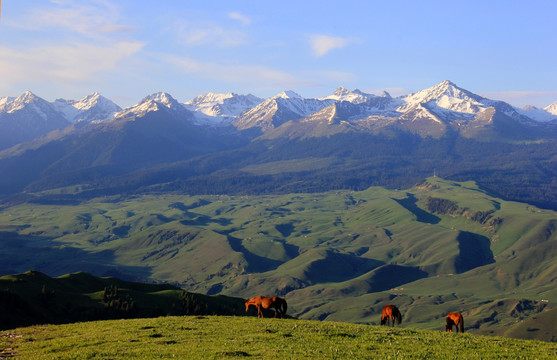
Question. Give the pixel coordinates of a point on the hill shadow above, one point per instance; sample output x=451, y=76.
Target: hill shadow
x=195, y=219
x=258, y=263
x=389, y=276
x=474, y=251
x=338, y=267
x=409, y=203
x=54, y=258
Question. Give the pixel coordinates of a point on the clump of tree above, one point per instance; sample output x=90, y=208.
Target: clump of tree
x=46, y=295
x=191, y=304
x=118, y=303
x=442, y=206
x=449, y=207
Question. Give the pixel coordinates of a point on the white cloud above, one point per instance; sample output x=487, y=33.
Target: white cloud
x=322, y=44
x=62, y=63
x=240, y=17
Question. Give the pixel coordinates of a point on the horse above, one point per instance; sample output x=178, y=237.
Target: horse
x=456, y=319
x=277, y=303
x=390, y=312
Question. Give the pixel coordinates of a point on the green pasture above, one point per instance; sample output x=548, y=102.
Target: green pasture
x=223, y=337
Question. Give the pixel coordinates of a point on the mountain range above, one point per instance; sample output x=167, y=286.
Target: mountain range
x=429, y=111
x=220, y=142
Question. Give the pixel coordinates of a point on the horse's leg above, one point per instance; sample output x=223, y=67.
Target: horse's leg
x=259, y=312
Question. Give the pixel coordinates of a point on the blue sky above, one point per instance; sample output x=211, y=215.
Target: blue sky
x=127, y=49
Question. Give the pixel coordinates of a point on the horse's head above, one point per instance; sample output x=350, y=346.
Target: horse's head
x=247, y=305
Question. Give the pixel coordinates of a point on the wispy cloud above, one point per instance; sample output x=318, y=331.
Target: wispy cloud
x=243, y=19
x=523, y=98
x=340, y=77
x=254, y=75
x=63, y=63
x=323, y=44
x=92, y=18
x=191, y=34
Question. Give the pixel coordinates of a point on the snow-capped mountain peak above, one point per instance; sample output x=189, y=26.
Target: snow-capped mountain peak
x=90, y=108
x=5, y=101
x=385, y=94
x=19, y=102
x=552, y=108
x=220, y=109
x=210, y=97
x=444, y=91
x=288, y=94
x=546, y=114
x=353, y=96
x=161, y=98
x=279, y=109
x=150, y=103
x=446, y=95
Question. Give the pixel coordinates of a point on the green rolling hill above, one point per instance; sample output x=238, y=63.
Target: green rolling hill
x=436, y=247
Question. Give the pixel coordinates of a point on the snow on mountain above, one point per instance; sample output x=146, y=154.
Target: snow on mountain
x=352, y=96
x=4, y=102
x=153, y=102
x=546, y=114
x=552, y=108
x=279, y=109
x=220, y=109
x=27, y=117
x=30, y=105
x=91, y=108
x=447, y=96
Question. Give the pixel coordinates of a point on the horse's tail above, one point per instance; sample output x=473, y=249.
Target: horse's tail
x=284, y=307
x=461, y=324
x=398, y=317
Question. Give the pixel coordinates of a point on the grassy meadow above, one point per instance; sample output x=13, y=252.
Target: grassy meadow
x=225, y=337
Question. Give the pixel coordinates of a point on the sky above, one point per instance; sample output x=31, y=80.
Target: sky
x=128, y=49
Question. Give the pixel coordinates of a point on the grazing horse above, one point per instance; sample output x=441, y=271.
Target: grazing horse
x=390, y=312
x=454, y=318
x=277, y=303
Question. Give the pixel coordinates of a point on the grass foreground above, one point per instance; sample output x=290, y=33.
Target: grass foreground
x=222, y=337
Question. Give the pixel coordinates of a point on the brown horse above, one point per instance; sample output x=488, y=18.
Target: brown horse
x=390, y=312
x=454, y=318
x=277, y=303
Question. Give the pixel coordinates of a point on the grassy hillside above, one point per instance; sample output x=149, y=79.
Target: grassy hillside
x=215, y=337
x=439, y=246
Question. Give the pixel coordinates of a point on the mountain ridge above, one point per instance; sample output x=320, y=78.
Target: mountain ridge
x=444, y=101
